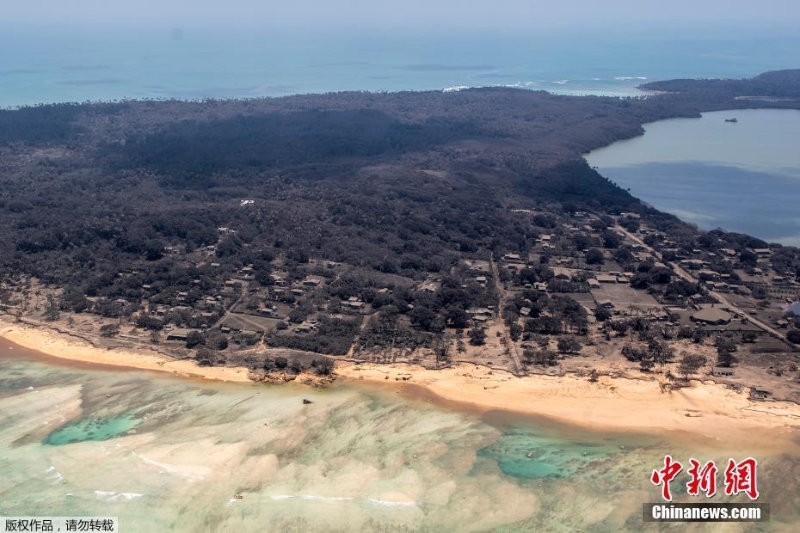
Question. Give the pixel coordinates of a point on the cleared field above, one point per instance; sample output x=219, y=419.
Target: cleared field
x=249, y=322
x=623, y=296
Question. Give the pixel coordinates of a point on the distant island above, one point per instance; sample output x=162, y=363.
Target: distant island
x=430, y=228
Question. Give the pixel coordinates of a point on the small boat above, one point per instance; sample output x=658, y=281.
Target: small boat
x=732, y=120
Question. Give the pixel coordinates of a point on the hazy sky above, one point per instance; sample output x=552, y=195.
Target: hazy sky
x=385, y=13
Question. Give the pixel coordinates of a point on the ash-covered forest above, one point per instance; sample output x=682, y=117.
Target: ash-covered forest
x=161, y=203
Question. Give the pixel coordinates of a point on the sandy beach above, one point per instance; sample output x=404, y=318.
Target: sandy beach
x=73, y=349
x=705, y=409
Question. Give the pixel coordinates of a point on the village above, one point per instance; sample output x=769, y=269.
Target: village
x=594, y=294
x=726, y=315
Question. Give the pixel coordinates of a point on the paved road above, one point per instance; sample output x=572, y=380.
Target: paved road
x=717, y=296
x=724, y=301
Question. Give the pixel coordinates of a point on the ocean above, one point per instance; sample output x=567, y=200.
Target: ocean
x=43, y=65
x=74, y=65
x=163, y=453
x=169, y=454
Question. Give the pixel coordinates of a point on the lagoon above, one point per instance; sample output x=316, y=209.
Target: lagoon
x=742, y=176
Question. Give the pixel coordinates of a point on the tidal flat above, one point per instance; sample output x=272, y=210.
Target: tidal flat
x=164, y=453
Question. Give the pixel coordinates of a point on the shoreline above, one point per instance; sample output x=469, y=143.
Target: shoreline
x=634, y=91
x=704, y=410
x=46, y=345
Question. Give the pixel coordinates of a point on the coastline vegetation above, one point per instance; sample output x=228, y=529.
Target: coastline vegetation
x=353, y=223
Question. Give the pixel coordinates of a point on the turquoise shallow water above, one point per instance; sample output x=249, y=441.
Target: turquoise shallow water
x=169, y=454
x=92, y=429
x=524, y=453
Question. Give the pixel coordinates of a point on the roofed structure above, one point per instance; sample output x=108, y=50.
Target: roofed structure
x=605, y=278
x=179, y=334
x=759, y=394
x=713, y=316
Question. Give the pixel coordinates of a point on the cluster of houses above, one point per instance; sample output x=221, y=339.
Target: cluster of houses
x=754, y=393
